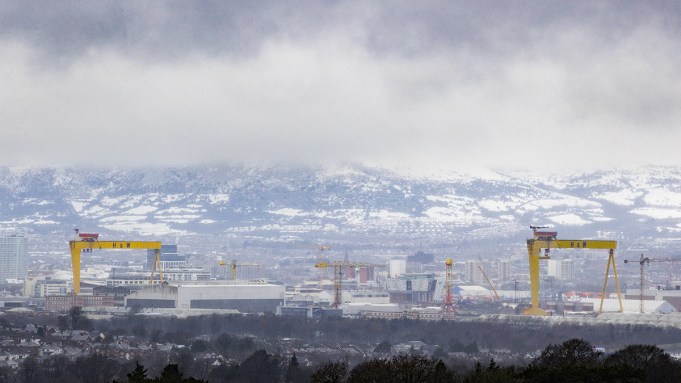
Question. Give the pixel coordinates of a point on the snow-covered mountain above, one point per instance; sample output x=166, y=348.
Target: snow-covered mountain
x=352, y=202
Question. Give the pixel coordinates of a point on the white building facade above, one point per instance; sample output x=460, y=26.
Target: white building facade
x=560, y=269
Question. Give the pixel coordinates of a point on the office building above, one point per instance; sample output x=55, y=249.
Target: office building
x=560, y=269
x=170, y=259
x=13, y=258
x=398, y=267
x=474, y=272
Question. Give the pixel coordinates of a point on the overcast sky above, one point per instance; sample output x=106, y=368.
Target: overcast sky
x=425, y=84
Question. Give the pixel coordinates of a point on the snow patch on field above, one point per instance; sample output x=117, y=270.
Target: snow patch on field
x=572, y=202
x=78, y=206
x=621, y=198
x=289, y=212
x=144, y=228
x=218, y=198
x=141, y=210
x=388, y=215
x=109, y=201
x=492, y=205
x=569, y=219
x=662, y=197
x=657, y=213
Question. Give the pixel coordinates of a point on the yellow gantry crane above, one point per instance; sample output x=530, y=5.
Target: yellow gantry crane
x=86, y=242
x=338, y=267
x=547, y=240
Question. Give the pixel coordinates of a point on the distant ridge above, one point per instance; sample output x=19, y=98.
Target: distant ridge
x=354, y=202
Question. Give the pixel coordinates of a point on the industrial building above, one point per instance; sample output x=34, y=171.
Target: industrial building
x=472, y=291
x=42, y=286
x=365, y=296
x=633, y=306
x=66, y=302
x=170, y=275
x=673, y=297
x=411, y=289
x=251, y=296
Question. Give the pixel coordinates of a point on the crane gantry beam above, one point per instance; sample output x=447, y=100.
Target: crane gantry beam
x=547, y=240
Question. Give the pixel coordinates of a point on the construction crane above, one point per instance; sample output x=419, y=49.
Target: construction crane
x=338, y=267
x=86, y=242
x=642, y=262
x=233, y=266
x=548, y=240
x=496, y=296
x=448, y=306
x=321, y=258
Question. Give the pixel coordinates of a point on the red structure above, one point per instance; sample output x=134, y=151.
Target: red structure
x=88, y=237
x=448, y=306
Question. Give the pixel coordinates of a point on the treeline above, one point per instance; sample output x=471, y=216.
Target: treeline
x=574, y=360
x=516, y=334
x=513, y=333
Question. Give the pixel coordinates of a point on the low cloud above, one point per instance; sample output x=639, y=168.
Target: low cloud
x=421, y=85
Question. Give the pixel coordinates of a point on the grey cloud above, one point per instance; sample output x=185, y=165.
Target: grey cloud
x=154, y=29
x=175, y=28
x=481, y=82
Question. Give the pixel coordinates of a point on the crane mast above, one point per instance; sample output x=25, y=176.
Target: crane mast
x=642, y=262
x=233, y=267
x=338, y=267
x=448, y=306
x=496, y=296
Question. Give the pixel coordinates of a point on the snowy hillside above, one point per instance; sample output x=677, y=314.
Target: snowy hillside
x=353, y=202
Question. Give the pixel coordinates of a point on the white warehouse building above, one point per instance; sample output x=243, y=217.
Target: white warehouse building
x=244, y=296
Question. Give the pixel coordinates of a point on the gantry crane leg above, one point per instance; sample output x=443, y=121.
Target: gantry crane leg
x=75, y=267
x=533, y=254
x=611, y=260
x=156, y=265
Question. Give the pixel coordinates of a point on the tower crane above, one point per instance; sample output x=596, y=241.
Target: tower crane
x=448, y=306
x=338, y=267
x=548, y=240
x=233, y=266
x=496, y=296
x=322, y=258
x=642, y=262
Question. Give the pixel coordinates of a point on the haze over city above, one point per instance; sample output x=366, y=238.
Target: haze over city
x=426, y=86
